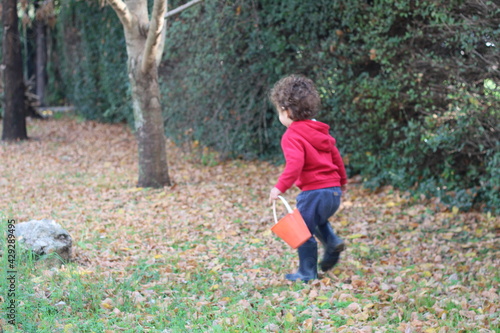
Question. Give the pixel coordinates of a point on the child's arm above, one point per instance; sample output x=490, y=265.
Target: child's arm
x=294, y=157
x=337, y=160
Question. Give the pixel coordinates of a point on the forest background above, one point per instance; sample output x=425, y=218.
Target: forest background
x=410, y=89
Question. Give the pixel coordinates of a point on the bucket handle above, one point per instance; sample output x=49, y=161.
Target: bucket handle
x=288, y=208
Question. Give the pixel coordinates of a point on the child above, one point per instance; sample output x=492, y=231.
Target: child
x=314, y=164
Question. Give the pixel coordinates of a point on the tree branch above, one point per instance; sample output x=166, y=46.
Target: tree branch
x=181, y=8
x=122, y=11
x=494, y=66
x=155, y=34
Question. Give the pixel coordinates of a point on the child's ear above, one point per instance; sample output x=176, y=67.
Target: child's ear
x=282, y=109
x=289, y=113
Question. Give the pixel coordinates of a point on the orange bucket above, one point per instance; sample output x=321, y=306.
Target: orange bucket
x=291, y=228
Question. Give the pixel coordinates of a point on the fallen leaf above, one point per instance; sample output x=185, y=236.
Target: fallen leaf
x=354, y=236
x=107, y=304
x=289, y=317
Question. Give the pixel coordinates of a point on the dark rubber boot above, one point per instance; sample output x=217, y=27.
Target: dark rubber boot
x=333, y=246
x=308, y=263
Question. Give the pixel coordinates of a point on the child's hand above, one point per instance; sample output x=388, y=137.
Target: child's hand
x=343, y=188
x=273, y=195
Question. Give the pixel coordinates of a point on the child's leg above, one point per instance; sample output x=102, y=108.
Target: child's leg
x=333, y=246
x=308, y=252
x=308, y=262
x=316, y=207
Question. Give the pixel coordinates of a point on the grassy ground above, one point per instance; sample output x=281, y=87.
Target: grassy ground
x=200, y=257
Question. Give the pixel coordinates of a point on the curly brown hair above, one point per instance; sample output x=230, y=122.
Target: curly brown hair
x=297, y=94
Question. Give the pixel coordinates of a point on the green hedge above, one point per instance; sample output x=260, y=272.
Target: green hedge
x=222, y=57
x=423, y=112
x=93, y=61
x=409, y=88
x=403, y=85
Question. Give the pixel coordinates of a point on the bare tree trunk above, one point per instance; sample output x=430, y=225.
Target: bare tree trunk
x=150, y=131
x=14, y=121
x=145, y=40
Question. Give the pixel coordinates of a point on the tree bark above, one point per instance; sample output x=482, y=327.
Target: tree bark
x=149, y=128
x=14, y=120
x=144, y=39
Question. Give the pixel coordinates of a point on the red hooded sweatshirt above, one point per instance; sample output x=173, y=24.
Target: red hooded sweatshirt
x=312, y=159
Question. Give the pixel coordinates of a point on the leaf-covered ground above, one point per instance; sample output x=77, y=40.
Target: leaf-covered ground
x=200, y=257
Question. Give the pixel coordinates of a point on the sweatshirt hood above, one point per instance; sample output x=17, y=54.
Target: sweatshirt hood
x=314, y=132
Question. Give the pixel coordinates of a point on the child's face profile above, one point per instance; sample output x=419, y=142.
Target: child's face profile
x=284, y=117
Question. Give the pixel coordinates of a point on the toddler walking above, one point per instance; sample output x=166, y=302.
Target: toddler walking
x=314, y=164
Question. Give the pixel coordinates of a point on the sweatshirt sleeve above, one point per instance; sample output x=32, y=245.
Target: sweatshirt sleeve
x=294, y=157
x=337, y=160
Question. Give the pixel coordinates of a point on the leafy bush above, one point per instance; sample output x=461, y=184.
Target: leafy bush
x=410, y=89
x=93, y=61
x=413, y=99
x=222, y=57
x=403, y=85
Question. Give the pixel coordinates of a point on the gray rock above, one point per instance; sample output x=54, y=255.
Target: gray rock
x=44, y=237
